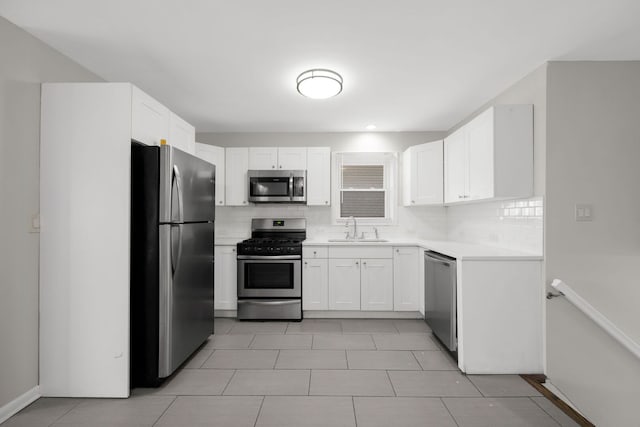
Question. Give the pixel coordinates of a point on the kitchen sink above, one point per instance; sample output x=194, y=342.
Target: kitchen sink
x=358, y=240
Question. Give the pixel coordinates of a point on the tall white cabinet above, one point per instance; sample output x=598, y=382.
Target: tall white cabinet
x=491, y=157
x=85, y=181
x=236, y=185
x=318, y=176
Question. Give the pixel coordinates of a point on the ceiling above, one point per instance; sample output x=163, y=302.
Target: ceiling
x=408, y=65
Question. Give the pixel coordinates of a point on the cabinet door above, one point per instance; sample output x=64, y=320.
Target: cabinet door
x=149, y=118
x=225, y=278
x=426, y=177
x=315, y=284
x=406, y=279
x=481, y=162
x=181, y=134
x=376, y=284
x=292, y=158
x=261, y=158
x=455, y=167
x=236, y=186
x=319, y=176
x=344, y=284
x=215, y=156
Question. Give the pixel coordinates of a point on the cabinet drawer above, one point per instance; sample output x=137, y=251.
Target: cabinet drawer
x=315, y=252
x=360, y=251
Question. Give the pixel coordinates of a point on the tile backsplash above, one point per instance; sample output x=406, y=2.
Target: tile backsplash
x=421, y=222
x=513, y=224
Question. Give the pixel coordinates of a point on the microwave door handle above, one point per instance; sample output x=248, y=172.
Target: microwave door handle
x=291, y=186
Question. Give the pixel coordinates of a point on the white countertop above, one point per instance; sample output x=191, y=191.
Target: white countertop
x=458, y=250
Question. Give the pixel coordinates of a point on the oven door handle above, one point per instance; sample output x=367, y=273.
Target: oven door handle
x=283, y=302
x=269, y=257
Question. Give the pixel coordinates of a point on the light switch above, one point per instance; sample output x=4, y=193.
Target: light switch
x=584, y=212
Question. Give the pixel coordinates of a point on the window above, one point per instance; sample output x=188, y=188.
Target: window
x=365, y=187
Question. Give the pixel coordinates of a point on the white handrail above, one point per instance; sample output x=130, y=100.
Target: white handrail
x=597, y=317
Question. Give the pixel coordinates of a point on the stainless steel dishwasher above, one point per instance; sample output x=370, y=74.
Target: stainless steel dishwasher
x=440, y=281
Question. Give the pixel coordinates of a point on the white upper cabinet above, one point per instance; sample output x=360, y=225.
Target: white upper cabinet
x=236, y=182
x=491, y=157
x=292, y=158
x=318, y=176
x=181, y=134
x=455, y=167
x=215, y=156
x=423, y=174
x=261, y=158
x=149, y=118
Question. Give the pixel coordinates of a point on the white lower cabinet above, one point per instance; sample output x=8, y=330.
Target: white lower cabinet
x=225, y=286
x=376, y=284
x=344, y=284
x=315, y=284
x=406, y=279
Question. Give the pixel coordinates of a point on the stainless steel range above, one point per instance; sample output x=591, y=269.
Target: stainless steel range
x=270, y=270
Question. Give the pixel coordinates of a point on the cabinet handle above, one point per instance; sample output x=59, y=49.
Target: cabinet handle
x=233, y=250
x=326, y=202
x=357, y=263
x=314, y=252
x=305, y=263
x=460, y=196
x=244, y=202
x=413, y=201
x=273, y=166
x=364, y=263
x=398, y=250
x=280, y=166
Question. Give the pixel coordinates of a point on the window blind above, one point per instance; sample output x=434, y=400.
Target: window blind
x=362, y=204
x=362, y=176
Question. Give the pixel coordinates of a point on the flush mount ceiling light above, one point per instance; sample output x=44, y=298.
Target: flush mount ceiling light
x=319, y=83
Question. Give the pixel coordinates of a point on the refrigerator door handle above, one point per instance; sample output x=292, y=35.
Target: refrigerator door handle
x=176, y=260
x=178, y=183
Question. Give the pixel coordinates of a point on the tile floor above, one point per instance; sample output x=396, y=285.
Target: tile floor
x=320, y=373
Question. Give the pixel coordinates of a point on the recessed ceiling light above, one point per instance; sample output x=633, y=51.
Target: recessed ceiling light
x=319, y=83
x=371, y=127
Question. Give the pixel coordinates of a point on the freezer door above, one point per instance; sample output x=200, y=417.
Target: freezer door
x=186, y=291
x=187, y=187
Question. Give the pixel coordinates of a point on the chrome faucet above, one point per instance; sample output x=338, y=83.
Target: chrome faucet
x=355, y=228
x=375, y=229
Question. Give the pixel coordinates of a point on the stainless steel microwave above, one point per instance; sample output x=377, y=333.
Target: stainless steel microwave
x=277, y=186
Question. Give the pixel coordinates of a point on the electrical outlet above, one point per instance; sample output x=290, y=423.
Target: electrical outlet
x=584, y=212
x=35, y=223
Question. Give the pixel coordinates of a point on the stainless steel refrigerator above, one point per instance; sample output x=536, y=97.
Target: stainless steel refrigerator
x=172, y=243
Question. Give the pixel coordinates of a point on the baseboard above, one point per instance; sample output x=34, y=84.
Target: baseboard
x=340, y=314
x=19, y=403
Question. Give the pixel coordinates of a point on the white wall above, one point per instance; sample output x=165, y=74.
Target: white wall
x=593, y=151
x=425, y=222
x=25, y=63
x=497, y=223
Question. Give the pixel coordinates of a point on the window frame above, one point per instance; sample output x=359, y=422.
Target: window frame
x=389, y=160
